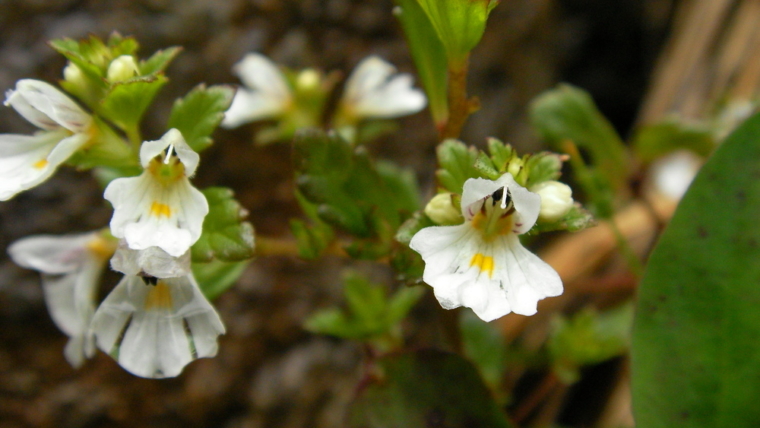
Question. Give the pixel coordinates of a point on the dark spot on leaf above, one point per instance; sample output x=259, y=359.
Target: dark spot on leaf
x=662, y=298
x=684, y=415
x=752, y=242
x=702, y=232
x=741, y=195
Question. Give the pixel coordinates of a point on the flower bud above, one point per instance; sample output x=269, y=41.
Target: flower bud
x=122, y=68
x=308, y=80
x=556, y=199
x=515, y=167
x=73, y=74
x=441, y=210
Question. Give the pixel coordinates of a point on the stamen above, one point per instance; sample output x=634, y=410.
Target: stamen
x=504, y=198
x=169, y=152
x=149, y=280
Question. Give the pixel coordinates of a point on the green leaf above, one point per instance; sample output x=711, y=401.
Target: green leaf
x=429, y=56
x=366, y=199
x=159, y=61
x=654, y=141
x=459, y=24
x=457, y=164
x=225, y=235
x=371, y=315
x=402, y=184
x=402, y=302
x=414, y=224
x=425, y=388
x=696, y=337
x=587, y=338
x=569, y=113
x=125, y=103
x=199, y=113
x=543, y=166
x=217, y=276
x=484, y=345
x=312, y=239
x=575, y=220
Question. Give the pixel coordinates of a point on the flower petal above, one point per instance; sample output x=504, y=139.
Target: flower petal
x=165, y=326
x=25, y=160
x=372, y=91
x=525, y=277
x=260, y=74
x=150, y=214
x=46, y=107
x=151, y=261
x=71, y=272
x=250, y=106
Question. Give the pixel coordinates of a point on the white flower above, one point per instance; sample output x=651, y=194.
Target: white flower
x=267, y=94
x=28, y=160
x=556, y=199
x=481, y=264
x=151, y=261
x=159, y=208
x=155, y=327
x=375, y=91
x=71, y=267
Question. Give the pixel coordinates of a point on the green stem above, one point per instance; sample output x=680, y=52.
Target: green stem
x=135, y=138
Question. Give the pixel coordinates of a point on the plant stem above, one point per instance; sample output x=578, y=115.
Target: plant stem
x=460, y=107
x=135, y=139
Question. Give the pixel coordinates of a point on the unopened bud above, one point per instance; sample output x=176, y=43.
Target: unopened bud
x=308, y=80
x=122, y=68
x=556, y=199
x=73, y=74
x=441, y=210
x=515, y=166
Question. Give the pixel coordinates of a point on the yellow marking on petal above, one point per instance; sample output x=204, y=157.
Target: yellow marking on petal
x=484, y=263
x=159, y=297
x=42, y=163
x=160, y=210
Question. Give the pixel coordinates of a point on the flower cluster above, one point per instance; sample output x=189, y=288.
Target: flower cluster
x=373, y=91
x=156, y=320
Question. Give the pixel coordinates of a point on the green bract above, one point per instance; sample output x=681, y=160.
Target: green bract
x=459, y=24
x=199, y=113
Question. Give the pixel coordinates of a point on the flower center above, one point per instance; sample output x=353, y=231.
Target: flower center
x=167, y=170
x=495, y=215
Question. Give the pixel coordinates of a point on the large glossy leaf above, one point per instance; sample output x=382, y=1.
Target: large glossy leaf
x=696, y=339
